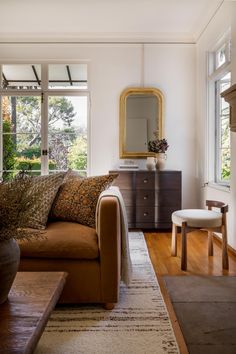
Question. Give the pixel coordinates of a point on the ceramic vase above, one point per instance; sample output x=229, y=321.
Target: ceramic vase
x=9, y=263
x=151, y=163
x=160, y=160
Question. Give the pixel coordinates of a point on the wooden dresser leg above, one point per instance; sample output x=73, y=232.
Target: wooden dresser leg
x=184, y=246
x=210, y=243
x=109, y=306
x=174, y=240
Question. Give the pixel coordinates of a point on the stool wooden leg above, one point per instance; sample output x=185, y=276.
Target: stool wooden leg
x=174, y=240
x=210, y=243
x=184, y=246
x=225, y=258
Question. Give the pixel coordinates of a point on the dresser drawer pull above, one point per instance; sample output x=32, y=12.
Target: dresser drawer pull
x=145, y=214
x=145, y=197
x=145, y=180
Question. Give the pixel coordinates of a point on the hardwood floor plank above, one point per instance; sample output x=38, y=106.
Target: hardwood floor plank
x=159, y=246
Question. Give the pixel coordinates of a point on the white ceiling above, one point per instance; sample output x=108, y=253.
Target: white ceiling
x=104, y=20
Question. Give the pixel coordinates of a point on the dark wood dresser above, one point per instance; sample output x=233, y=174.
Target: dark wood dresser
x=150, y=196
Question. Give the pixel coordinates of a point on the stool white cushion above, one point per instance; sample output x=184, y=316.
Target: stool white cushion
x=197, y=218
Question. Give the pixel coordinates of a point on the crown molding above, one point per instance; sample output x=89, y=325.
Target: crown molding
x=206, y=19
x=121, y=37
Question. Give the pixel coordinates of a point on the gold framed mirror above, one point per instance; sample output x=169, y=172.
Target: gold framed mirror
x=141, y=114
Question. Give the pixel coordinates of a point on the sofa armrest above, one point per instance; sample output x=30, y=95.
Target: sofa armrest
x=109, y=239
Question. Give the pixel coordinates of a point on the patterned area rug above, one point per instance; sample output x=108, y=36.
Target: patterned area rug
x=139, y=324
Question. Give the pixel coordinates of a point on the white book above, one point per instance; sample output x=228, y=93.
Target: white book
x=126, y=166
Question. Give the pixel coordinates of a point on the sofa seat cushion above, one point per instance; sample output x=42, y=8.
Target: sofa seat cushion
x=63, y=240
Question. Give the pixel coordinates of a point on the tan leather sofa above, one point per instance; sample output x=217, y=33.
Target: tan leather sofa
x=90, y=257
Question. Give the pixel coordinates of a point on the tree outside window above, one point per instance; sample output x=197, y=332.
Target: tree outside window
x=22, y=135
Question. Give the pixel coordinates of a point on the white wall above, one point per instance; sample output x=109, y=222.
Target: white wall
x=219, y=25
x=113, y=67
x=171, y=69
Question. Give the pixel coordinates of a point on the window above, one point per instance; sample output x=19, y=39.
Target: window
x=222, y=136
x=222, y=55
x=219, y=80
x=73, y=76
x=21, y=76
x=43, y=123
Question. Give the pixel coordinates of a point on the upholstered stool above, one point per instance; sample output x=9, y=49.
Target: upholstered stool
x=209, y=220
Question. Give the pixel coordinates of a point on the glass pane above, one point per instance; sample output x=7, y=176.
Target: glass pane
x=67, y=133
x=21, y=134
x=23, y=113
x=21, y=76
x=21, y=152
x=225, y=163
x=224, y=133
x=71, y=76
x=220, y=57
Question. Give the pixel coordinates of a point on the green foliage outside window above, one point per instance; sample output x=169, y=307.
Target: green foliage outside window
x=24, y=163
x=9, y=153
x=78, y=154
x=225, y=145
x=22, y=148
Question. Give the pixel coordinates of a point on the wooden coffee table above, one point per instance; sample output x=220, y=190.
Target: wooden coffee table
x=24, y=315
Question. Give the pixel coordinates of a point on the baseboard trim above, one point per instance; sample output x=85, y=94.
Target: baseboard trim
x=219, y=241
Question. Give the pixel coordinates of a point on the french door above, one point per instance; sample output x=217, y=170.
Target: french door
x=43, y=129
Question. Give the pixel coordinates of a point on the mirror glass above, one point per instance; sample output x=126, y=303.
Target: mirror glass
x=140, y=116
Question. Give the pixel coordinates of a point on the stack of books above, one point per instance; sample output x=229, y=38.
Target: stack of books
x=128, y=165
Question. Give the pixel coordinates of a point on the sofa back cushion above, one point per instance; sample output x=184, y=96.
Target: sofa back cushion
x=77, y=198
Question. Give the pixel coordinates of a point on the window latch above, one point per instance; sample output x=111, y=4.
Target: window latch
x=44, y=152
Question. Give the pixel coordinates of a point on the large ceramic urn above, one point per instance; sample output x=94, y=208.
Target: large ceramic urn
x=9, y=263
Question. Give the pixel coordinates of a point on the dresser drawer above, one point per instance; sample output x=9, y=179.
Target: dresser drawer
x=169, y=198
x=128, y=196
x=130, y=214
x=145, y=197
x=145, y=214
x=164, y=214
x=169, y=180
x=145, y=180
x=124, y=180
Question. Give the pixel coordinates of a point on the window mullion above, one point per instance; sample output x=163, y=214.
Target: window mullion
x=44, y=121
x=217, y=132
x=44, y=134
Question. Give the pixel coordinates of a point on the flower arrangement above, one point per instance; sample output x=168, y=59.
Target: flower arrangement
x=158, y=145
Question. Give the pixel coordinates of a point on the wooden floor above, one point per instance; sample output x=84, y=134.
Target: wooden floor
x=159, y=247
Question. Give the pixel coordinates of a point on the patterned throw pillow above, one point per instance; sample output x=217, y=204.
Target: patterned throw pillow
x=10, y=203
x=45, y=188
x=25, y=202
x=77, y=198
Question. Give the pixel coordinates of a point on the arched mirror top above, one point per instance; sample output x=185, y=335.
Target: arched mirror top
x=141, y=114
